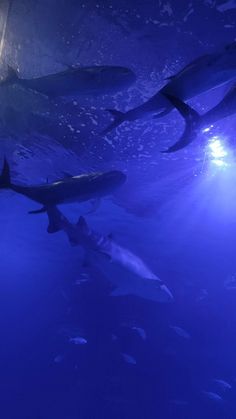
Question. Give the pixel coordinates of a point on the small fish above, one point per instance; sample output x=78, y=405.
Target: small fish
x=180, y=332
x=83, y=278
x=129, y=359
x=78, y=340
x=58, y=359
x=212, y=396
x=141, y=332
x=222, y=384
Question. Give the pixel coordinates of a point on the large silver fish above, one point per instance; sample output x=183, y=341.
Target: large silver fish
x=76, y=81
x=201, y=75
x=71, y=189
x=143, y=282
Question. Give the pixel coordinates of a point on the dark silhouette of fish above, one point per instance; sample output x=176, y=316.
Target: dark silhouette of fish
x=195, y=123
x=143, y=282
x=71, y=189
x=76, y=81
x=201, y=75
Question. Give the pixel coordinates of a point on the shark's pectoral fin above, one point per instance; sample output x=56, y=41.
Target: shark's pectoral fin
x=119, y=291
x=39, y=211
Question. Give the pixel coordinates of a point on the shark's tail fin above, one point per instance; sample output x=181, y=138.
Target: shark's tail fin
x=192, y=121
x=55, y=219
x=5, y=178
x=119, y=118
x=11, y=77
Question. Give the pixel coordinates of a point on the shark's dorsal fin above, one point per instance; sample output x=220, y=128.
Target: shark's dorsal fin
x=82, y=224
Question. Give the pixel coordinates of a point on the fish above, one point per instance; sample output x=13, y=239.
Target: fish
x=70, y=189
x=83, y=278
x=214, y=397
x=58, y=359
x=180, y=332
x=141, y=332
x=143, y=282
x=129, y=359
x=195, y=123
x=94, y=80
x=222, y=384
x=78, y=340
x=199, y=76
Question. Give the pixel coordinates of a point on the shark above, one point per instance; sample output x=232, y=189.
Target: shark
x=195, y=123
x=201, y=75
x=94, y=80
x=142, y=282
x=67, y=190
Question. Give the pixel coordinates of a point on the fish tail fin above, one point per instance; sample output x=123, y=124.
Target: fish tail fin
x=55, y=219
x=119, y=118
x=5, y=178
x=192, y=123
x=11, y=77
x=188, y=113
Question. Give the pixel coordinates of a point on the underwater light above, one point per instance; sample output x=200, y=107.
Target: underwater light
x=217, y=150
x=207, y=129
x=220, y=163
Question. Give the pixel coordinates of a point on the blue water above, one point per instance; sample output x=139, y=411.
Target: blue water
x=138, y=358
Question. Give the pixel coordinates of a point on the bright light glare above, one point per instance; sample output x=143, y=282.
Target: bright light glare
x=207, y=129
x=216, y=149
x=219, y=163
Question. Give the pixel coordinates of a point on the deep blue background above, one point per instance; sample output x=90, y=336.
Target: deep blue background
x=178, y=213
